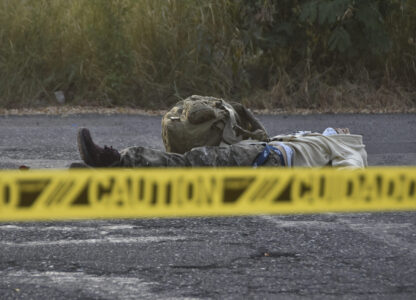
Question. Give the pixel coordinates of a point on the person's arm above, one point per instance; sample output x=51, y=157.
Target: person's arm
x=251, y=126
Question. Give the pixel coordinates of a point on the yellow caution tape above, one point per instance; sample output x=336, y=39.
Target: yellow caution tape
x=136, y=193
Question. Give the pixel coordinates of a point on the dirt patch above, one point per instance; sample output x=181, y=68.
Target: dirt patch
x=76, y=110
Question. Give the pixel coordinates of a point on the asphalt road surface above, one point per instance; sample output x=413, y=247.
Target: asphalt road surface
x=325, y=256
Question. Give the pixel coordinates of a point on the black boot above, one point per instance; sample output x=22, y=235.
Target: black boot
x=92, y=154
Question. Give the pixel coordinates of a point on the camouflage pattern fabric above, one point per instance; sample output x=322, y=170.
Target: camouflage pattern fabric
x=207, y=121
x=239, y=154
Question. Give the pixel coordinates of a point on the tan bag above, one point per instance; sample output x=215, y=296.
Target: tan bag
x=208, y=121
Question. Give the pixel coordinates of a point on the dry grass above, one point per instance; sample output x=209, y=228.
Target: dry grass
x=150, y=53
x=115, y=52
x=313, y=93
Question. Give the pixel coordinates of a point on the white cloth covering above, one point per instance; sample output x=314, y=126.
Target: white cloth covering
x=317, y=150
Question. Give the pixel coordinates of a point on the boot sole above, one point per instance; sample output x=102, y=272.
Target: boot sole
x=83, y=135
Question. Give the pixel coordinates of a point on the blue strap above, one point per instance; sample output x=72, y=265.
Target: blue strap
x=263, y=156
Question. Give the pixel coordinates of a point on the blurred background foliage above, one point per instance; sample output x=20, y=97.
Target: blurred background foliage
x=285, y=54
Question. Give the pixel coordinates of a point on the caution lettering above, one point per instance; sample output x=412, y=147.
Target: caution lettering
x=140, y=191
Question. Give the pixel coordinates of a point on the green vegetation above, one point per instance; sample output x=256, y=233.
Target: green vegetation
x=321, y=54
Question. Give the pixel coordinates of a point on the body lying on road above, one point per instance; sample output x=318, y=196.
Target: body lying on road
x=205, y=131
x=296, y=150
